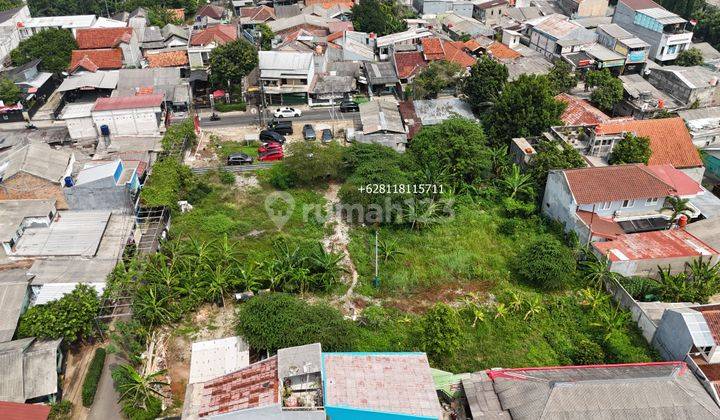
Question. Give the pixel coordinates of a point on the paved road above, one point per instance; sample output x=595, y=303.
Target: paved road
x=106, y=405
x=234, y=168
x=248, y=118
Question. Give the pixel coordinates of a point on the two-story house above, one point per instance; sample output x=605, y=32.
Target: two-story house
x=617, y=39
x=555, y=35
x=604, y=203
x=286, y=75
x=204, y=41
x=10, y=24
x=665, y=31
x=491, y=12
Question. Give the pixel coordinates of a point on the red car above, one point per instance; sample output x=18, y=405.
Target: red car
x=271, y=156
x=269, y=147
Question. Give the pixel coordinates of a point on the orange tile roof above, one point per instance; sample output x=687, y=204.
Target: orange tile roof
x=167, y=58
x=258, y=14
x=580, y=112
x=99, y=59
x=93, y=38
x=336, y=35
x=454, y=52
x=331, y=4
x=433, y=48
x=502, y=51
x=601, y=226
x=670, y=140
x=409, y=63
x=178, y=13
x=472, y=45
x=221, y=34
x=615, y=183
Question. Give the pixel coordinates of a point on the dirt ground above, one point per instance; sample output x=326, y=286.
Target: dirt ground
x=208, y=323
x=450, y=293
x=76, y=367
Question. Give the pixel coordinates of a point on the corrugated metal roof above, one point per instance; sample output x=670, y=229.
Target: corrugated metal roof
x=54, y=291
x=37, y=159
x=13, y=212
x=72, y=233
x=13, y=297
x=101, y=79
x=65, y=270
x=215, y=358
x=286, y=61
x=11, y=369
x=96, y=172
x=380, y=115
x=28, y=369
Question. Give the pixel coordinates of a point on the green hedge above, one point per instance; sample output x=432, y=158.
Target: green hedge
x=223, y=107
x=92, y=378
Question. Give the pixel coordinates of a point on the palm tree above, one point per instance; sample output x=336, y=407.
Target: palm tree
x=517, y=183
x=135, y=387
x=150, y=306
x=597, y=271
x=678, y=206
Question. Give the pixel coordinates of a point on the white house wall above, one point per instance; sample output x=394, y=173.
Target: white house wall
x=129, y=122
x=81, y=128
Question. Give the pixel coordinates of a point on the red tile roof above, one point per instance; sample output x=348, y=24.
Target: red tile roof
x=92, y=38
x=409, y=63
x=502, y=51
x=410, y=118
x=220, y=34
x=94, y=60
x=711, y=313
x=472, y=45
x=212, y=11
x=433, y=48
x=258, y=14
x=128, y=102
x=20, y=411
x=670, y=140
x=641, y=4
x=580, y=112
x=659, y=244
x=254, y=386
x=614, y=183
x=454, y=52
x=336, y=35
x=601, y=226
x=679, y=180
x=176, y=58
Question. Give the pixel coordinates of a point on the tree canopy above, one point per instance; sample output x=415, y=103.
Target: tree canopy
x=159, y=16
x=561, y=77
x=232, y=61
x=103, y=7
x=608, y=89
x=552, y=155
x=690, y=57
x=484, y=83
x=436, y=77
x=457, y=145
x=72, y=316
x=276, y=320
x=52, y=46
x=311, y=163
x=631, y=149
x=546, y=263
x=526, y=107
x=9, y=4
x=9, y=92
x=442, y=332
x=382, y=17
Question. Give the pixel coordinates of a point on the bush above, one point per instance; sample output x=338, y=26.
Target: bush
x=546, y=264
x=226, y=177
x=179, y=135
x=277, y=320
x=151, y=412
x=168, y=182
x=223, y=107
x=588, y=353
x=518, y=208
x=279, y=176
x=640, y=288
x=60, y=410
x=92, y=377
x=620, y=349
x=442, y=332
x=508, y=226
x=311, y=164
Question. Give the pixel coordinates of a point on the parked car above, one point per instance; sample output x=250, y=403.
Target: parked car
x=349, y=106
x=326, y=135
x=239, y=159
x=287, y=112
x=267, y=147
x=269, y=135
x=283, y=127
x=271, y=156
x=308, y=132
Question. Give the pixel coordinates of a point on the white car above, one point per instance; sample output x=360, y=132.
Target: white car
x=286, y=112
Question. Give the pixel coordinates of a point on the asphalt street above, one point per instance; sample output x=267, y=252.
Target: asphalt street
x=249, y=118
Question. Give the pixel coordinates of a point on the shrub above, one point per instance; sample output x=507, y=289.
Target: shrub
x=276, y=320
x=150, y=412
x=223, y=107
x=546, y=263
x=226, y=177
x=279, y=176
x=60, y=410
x=441, y=332
x=588, y=353
x=92, y=377
x=179, y=135
x=312, y=164
x=620, y=349
x=508, y=226
x=518, y=208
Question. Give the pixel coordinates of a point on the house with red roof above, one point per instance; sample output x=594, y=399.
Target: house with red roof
x=453, y=51
x=99, y=49
x=580, y=111
x=606, y=203
x=210, y=14
x=204, y=41
x=141, y=115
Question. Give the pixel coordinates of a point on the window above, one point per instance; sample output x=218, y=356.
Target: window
x=672, y=49
x=628, y=203
x=651, y=201
x=605, y=205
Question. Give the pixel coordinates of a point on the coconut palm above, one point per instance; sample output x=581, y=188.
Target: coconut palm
x=678, y=206
x=137, y=388
x=517, y=183
x=597, y=271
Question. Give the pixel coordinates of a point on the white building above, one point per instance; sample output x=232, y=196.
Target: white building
x=141, y=115
x=286, y=73
x=10, y=20
x=31, y=26
x=79, y=121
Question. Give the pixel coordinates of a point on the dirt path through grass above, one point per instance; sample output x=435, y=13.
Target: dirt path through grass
x=338, y=242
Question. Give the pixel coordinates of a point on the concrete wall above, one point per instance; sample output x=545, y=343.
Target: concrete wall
x=129, y=122
x=649, y=267
x=81, y=128
x=638, y=206
x=558, y=202
x=623, y=298
x=99, y=196
x=668, y=82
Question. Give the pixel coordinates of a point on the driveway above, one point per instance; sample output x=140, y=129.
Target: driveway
x=105, y=405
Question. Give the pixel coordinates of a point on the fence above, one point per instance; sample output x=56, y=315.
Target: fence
x=623, y=298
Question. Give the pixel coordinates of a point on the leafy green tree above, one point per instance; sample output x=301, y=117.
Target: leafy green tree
x=608, y=89
x=160, y=16
x=9, y=4
x=517, y=183
x=10, y=93
x=690, y=57
x=136, y=388
x=275, y=320
x=381, y=17
x=436, y=77
x=552, y=155
x=525, y=108
x=546, y=263
x=267, y=36
x=631, y=149
x=561, y=77
x=442, y=332
x=458, y=145
x=232, y=61
x=312, y=164
x=483, y=85
x=708, y=27
x=52, y=46
x=71, y=317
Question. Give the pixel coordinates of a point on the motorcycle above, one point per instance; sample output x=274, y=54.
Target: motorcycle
x=31, y=126
x=214, y=117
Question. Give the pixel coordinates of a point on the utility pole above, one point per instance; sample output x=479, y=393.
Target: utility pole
x=257, y=35
x=376, y=279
